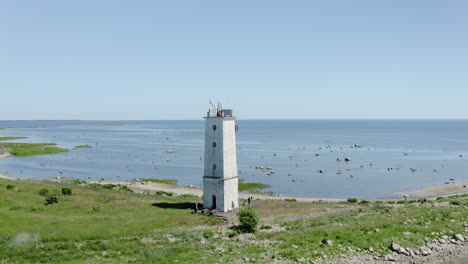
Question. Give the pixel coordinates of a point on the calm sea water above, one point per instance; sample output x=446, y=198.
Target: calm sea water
x=296, y=150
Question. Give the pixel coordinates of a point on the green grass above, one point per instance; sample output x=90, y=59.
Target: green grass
x=83, y=225
x=368, y=227
x=83, y=146
x=105, y=225
x=163, y=181
x=243, y=186
x=31, y=149
x=11, y=138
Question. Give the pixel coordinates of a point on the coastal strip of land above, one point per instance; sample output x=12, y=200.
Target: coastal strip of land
x=4, y=155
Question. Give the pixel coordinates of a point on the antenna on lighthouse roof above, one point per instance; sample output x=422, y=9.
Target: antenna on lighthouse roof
x=212, y=105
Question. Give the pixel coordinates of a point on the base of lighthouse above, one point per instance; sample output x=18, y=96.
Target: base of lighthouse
x=220, y=193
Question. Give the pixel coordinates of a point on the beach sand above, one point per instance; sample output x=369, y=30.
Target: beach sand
x=4, y=155
x=3, y=176
x=439, y=190
x=430, y=192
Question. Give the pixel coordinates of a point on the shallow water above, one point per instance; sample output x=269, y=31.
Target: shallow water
x=125, y=150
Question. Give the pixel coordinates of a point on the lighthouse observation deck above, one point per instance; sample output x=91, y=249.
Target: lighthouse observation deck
x=213, y=113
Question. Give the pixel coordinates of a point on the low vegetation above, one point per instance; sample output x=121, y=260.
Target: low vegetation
x=244, y=186
x=98, y=224
x=83, y=146
x=31, y=149
x=248, y=219
x=11, y=138
x=163, y=181
x=163, y=193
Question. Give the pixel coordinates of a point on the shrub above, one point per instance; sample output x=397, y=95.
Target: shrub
x=164, y=193
x=102, y=186
x=232, y=233
x=187, y=195
x=208, y=234
x=352, y=200
x=125, y=188
x=364, y=202
x=43, y=192
x=290, y=200
x=66, y=191
x=455, y=202
x=423, y=200
x=77, y=182
x=266, y=227
x=10, y=187
x=51, y=199
x=439, y=198
x=108, y=186
x=248, y=219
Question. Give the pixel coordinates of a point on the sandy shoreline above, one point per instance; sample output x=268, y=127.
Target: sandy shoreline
x=4, y=155
x=140, y=187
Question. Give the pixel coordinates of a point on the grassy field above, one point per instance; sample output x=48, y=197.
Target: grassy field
x=31, y=149
x=105, y=225
x=11, y=138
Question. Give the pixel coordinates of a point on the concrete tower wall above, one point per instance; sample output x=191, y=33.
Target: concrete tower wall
x=220, y=181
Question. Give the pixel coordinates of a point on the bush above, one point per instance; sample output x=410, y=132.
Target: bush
x=76, y=182
x=455, y=202
x=187, y=195
x=266, y=227
x=352, y=200
x=290, y=200
x=66, y=191
x=10, y=187
x=108, y=186
x=125, y=188
x=208, y=234
x=164, y=193
x=423, y=200
x=43, y=192
x=51, y=199
x=439, y=198
x=364, y=202
x=248, y=219
x=232, y=233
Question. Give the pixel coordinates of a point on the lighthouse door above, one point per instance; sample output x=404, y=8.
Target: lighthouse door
x=213, y=202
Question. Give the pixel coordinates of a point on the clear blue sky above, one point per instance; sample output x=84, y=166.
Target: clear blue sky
x=265, y=59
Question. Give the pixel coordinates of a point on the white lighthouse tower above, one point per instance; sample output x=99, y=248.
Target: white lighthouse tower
x=220, y=190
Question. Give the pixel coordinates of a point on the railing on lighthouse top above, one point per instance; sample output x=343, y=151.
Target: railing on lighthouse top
x=218, y=111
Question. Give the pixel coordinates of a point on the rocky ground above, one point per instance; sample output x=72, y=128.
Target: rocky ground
x=445, y=250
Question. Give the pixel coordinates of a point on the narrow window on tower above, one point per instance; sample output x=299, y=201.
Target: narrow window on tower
x=214, y=127
x=214, y=144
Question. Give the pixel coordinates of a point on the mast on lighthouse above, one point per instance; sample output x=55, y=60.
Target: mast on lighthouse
x=220, y=181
